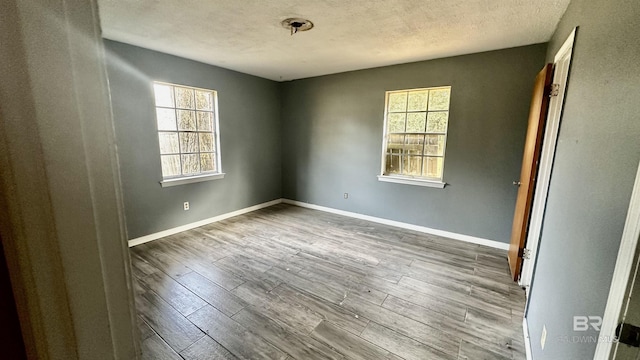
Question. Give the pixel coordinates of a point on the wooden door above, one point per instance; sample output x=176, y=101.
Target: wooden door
x=526, y=184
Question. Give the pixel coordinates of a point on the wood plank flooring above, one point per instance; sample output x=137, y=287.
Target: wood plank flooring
x=292, y=283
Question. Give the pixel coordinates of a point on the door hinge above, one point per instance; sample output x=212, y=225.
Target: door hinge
x=524, y=253
x=628, y=334
x=554, y=90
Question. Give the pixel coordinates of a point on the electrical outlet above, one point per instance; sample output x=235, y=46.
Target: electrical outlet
x=346, y=195
x=186, y=205
x=543, y=337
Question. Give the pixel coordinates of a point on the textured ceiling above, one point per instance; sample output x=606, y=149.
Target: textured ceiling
x=246, y=35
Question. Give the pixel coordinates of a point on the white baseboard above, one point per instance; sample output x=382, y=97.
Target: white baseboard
x=175, y=230
x=423, y=229
x=527, y=339
x=426, y=230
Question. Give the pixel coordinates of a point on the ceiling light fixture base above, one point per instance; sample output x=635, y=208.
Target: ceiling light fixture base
x=296, y=24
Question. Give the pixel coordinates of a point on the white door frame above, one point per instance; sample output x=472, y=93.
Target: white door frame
x=624, y=266
x=562, y=62
x=61, y=211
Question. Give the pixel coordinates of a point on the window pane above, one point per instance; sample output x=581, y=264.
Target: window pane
x=396, y=122
x=414, y=144
x=411, y=165
x=392, y=164
x=205, y=121
x=188, y=142
x=204, y=100
x=164, y=95
x=186, y=129
x=395, y=142
x=168, y=143
x=398, y=102
x=184, y=98
x=416, y=121
x=186, y=120
x=190, y=164
x=432, y=167
x=439, y=99
x=206, y=142
x=170, y=165
x=166, y=119
x=437, y=121
x=435, y=145
x=207, y=162
x=417, y=101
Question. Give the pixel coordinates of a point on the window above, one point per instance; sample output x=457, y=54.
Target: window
x=187, y=131
x=415, y=135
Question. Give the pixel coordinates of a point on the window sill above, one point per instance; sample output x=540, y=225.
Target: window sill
x=409, y=181
x=190, y=179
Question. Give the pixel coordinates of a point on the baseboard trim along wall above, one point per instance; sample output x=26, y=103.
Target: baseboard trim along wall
x=193, y=225
x=423, y=229
x=527, y=339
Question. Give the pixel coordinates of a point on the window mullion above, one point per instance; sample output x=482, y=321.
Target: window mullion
x=404, y=141
x=175, y=110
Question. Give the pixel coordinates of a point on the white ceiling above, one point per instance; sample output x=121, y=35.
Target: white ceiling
x=245, y=35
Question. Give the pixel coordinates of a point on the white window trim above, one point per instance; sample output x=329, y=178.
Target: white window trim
x=412, y=181
x=399, y=179
x=191, y=179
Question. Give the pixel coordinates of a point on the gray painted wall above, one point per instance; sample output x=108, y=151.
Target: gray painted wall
x=332, y=141
x=596, y=161
x=249, y=112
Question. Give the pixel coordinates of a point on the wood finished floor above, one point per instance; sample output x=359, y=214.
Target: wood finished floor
x=291, y=283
